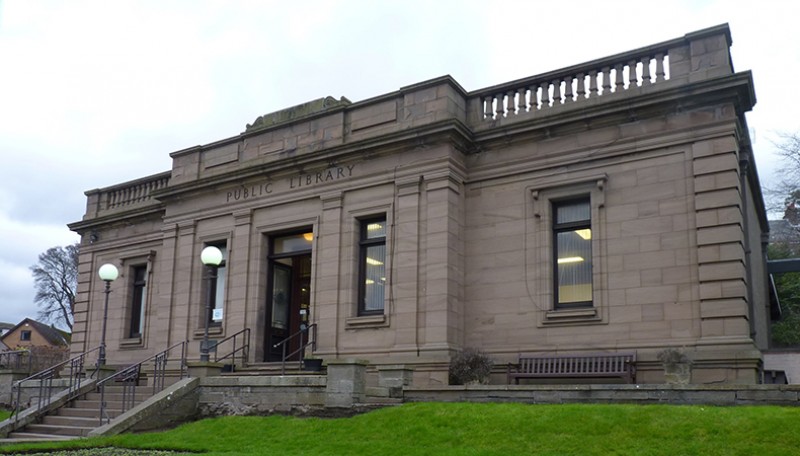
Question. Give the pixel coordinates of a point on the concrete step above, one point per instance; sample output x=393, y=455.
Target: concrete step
x=50, y=429
x=95, y=404
x=85, y=412
x=139, y=396
x=30, y=437
x=78, y=421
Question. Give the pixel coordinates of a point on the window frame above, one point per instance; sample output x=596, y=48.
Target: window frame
x=25, y=335
x=539, y=238
x=566, y=227
x=220, y=273
x=364, y=244
x=136, y=309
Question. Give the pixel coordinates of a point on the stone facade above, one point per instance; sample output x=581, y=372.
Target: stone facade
x=466, y=183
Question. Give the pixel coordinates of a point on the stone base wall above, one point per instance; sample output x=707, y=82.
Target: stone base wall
x=7, y=379
x=248, y=395
x=30, y=390
x=786, y=395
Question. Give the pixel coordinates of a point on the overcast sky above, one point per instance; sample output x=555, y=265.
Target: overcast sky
x=94, y=93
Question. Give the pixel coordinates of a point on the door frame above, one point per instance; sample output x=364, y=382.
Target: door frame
x=293, y=312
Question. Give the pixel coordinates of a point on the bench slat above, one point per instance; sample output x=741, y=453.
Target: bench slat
x=580, y=365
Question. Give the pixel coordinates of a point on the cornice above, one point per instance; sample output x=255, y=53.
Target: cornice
x=455, y=131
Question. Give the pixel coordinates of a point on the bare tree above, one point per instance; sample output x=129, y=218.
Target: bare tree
x=784, y=195
x=56, y=278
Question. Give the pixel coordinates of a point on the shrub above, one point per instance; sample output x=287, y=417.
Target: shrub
x=672, y=356
x=470, y=366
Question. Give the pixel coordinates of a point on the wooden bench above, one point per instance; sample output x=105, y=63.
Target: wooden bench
x=580, y=365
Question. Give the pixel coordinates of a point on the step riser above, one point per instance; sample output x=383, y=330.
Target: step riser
x=139, y=396
x=86, y=413
x=89, y=422
x=96, y=404
x=58, y=430
x=31, y=437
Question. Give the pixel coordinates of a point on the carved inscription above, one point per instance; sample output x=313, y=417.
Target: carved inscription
x=260, y=190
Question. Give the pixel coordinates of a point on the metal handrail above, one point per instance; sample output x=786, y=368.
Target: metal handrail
x=129, y=377
x=45, y=378
x=312, y=340
x=244, y=348
x=14, y=359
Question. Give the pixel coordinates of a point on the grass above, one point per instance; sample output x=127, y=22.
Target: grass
x=4, y=414
x=487, y=429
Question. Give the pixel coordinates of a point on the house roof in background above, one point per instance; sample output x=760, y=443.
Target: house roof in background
x=52, y=334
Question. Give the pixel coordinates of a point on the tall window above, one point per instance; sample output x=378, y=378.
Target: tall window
x=372, y=266
x=572, y=233
x=138, y=297
x=218, y=288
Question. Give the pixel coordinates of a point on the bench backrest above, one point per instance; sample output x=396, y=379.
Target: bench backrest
x=588, y=363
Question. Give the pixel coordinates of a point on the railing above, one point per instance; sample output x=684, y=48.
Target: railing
x=575, y=84
x=129, y=377
x=15, y=359
x=243, y=347
x=135, y=192
x=45, y=377
x=312, y=340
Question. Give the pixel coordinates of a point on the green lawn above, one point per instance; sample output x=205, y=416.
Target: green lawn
x=502, y=429
x=4, y=414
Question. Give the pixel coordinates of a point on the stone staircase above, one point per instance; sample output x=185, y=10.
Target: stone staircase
x=77, y=418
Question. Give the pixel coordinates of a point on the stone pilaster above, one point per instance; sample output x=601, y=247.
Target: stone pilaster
x=406, y=261
x=236, y=312
x=326, y=305
x=185, y=319
x=443, y=311
x=720, y=241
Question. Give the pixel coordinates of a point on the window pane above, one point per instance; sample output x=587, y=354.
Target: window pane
x=138, y=301
x=375, y=229
x=218, y=288
x=573, y=212
x=219, y=292
x=374, y=277
x=574, y=265
x=281, y=288
x=293, y=243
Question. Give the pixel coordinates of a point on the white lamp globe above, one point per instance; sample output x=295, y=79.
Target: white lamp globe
x=211, y=256
x=108, y=272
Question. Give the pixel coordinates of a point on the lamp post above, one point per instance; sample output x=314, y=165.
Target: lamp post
x=108, y=273
x=211, y=257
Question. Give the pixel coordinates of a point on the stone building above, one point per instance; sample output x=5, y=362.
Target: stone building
x=612, y=205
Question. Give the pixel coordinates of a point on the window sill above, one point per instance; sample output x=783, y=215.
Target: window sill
x=581, y=315
x=368, y=321
x=133, y=342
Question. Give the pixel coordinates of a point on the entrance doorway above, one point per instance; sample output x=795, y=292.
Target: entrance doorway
x=289, y=296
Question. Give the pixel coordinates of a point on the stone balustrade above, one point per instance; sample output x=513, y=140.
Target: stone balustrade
x=126, y=196
x=616, y=75
x=574, y=84
x=136, y=192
